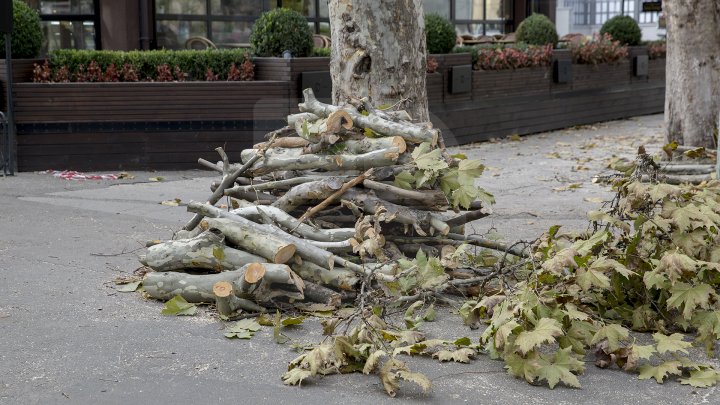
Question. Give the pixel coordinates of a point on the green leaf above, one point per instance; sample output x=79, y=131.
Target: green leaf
x=673, y=343
x=219, y=253
x=404, y=180
x=544, y=332
x=659, y=372
x=430, y=315
x=690, y=297
x=586, y=279
x=129, y=287
x=521, y=367
x=178, y=306
x=702, y=378
x=604, y=264
x=561, y=369
x=469, y=170
x=614, y=333
x=426, y=159
x=583, y=247
x=242, y=329
x=675, y=265
x=463, y=341
x=297, y=320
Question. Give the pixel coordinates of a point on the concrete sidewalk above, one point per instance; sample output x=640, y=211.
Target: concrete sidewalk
x=68, y=337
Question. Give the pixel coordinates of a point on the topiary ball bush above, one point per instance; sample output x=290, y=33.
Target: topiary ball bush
x=439, y=34
x=281, y=30
x=623, y=28
x=26, y=38
x=537, y=30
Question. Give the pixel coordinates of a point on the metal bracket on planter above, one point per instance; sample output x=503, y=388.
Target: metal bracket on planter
x=640, y=65
x=460, y=79
x=320, y=82
x=562, y=71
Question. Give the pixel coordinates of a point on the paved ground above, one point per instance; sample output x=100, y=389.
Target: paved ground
x=67, y=337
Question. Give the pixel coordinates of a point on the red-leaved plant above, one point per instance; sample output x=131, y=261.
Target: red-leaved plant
x=514, y=58
x=432, y=65
x=94, y=72
x=128, y=73
x=601, y=49
x=245, y=72
x=80, y=75
x=657, y=49
x=179, y=74
x=210, y=76
x=42, y=73
x=111, y=74
x=62, y=75
x=164, y=74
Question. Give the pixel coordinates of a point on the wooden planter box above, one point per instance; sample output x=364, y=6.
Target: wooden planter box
x=490, y=84
x=291, y=70
x=22, y=72
x=103, y=126
x=605, y=75
x=656, y=70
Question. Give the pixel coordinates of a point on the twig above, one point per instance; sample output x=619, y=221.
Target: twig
x=345, y=187
x=227, y=181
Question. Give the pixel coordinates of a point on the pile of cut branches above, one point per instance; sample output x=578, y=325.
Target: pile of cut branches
x=339, y=198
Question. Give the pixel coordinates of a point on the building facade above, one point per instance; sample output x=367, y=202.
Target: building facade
x=156, y=24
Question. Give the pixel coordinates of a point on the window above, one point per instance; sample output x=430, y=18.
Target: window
x=228, y=23
x=70, y=24
x=482, y=17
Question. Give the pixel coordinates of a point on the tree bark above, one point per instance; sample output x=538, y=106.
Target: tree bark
x=692, y=91
x=378, y=51
x=277, y=281
x=205, y=251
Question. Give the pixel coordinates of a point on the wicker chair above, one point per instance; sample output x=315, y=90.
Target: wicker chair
x=199, y=43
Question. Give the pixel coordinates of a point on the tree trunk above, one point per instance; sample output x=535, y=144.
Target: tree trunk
x=692, y=94
x=378, y=51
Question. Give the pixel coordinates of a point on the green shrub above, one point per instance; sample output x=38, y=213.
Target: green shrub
x=473, y=51
x=537, y=30
x=26, y=38
x=623, y=28
x=439, y=34
x=281, y=30
x=325, y=52
x=192, y=64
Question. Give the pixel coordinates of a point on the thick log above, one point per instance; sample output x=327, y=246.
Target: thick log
x=294, y=159
x=334, y=196
x=287, y=142
x=292, y=119
x=429, y=199
x=317, y=293
x=235, y=230
x=205, y=251
x=370, y=144
x=284, y=184
x=339, y=278
x=228, y=304
x=278, y=281
x=466, y=217
x=687, y=169
x=270, y=214
x=408, y=131
x=233, y=226
x=419, y=220
x=257, y=239
x=307, y=193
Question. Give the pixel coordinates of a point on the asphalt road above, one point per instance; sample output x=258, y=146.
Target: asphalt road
x=68, y=337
